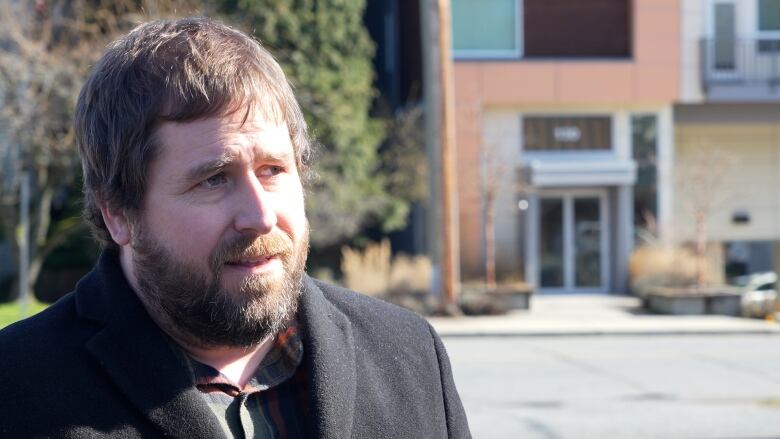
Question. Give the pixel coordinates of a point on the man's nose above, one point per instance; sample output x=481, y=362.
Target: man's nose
x=256, y=212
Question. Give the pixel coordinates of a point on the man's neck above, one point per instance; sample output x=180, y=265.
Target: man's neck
x=236, y=364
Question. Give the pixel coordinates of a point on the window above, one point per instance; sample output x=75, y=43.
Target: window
x=486, y=28
x=747, y=257
x=644, y=145
x=566, y=133
x=768, y=15
x=769, y=26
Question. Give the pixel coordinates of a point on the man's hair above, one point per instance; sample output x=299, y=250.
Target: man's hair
x=178, y=71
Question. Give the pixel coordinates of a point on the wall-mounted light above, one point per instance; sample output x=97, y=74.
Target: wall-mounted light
x=522, y=204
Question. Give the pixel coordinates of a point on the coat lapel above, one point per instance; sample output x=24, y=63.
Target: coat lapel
x=140, y=360
x=330, y=354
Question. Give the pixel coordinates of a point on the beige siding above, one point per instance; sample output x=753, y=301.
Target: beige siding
x=751, y=184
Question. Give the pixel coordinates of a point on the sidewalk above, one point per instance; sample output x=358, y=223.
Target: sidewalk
x=586, y=315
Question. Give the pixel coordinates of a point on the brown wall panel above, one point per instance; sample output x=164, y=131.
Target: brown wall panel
x=577, y=28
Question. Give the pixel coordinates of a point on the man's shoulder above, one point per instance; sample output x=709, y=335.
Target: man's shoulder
x=353, y=301
x=47, y=332
x=374, y=315
x=39, y=352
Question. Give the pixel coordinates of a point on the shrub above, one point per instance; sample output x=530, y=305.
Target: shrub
x=374, y=272
x=367, y=271
x=410, y=274
x=661, y=266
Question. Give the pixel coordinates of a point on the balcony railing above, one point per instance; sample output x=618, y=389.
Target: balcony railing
x=747, y=67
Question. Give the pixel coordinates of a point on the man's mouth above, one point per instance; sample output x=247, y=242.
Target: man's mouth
x=252, y=261
x=249, y=265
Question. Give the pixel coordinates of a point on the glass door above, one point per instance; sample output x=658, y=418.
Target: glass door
x=721, y=47
x=725, y=38
x=588, y=235
x=551, y=248
x=573, y=242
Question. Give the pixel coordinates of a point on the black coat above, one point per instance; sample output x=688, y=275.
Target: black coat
x=95, y=365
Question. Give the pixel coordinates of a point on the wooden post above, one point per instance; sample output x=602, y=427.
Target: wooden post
x=449, y=190
x=440, y=137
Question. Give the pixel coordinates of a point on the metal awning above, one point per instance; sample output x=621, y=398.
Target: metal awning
x=569, y=173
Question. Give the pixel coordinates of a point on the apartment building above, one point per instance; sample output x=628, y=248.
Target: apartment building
x=729, y=107
x=568, y=104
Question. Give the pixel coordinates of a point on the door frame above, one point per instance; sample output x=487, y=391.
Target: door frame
x=569, y=258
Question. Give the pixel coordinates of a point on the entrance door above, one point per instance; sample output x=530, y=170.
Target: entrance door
x=573, y=242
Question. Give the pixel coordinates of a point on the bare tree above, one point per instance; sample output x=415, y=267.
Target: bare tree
x=703, y=190
x=494, y=170
x=46, y=49
x=494, y=173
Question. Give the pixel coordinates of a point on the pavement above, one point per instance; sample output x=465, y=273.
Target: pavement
x=591, y=315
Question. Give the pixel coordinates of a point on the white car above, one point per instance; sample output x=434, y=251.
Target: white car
x=759, y=293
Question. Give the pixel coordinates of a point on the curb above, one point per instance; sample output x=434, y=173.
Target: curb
x=603, y=333
x=593, y=328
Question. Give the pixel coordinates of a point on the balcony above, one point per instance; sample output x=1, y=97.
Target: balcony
x=740, y=70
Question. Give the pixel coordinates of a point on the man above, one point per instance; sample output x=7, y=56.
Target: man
x=198, y=320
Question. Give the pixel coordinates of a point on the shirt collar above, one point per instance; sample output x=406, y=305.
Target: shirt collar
x=278, y=365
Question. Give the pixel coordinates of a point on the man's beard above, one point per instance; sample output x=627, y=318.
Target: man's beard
x=192, y=304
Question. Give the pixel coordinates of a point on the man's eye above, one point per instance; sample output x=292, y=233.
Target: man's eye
x=270, y=171
x=213, y=181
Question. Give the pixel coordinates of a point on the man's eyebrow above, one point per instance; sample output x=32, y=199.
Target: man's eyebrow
x=210, y=167
x=277, y=156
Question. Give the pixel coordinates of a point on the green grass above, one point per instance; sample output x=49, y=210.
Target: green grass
x=11, y=311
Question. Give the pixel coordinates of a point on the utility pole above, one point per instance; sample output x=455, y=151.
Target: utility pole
x=440, y=140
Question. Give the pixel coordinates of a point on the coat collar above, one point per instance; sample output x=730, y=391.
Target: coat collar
x=138, y=356
x=329, y=353
x=142, y=362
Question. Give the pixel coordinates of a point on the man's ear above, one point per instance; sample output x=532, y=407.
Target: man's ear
x=117, y=224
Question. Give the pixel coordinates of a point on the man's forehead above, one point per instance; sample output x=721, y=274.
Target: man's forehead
x=232, y=127
x=240, y=119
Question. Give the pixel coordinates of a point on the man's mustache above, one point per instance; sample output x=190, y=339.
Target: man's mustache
x=250, y=247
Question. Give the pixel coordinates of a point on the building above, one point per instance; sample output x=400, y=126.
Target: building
x=575, y=100
x=729, y=107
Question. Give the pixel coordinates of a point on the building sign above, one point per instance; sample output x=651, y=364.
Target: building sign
x=567, y=134
x=549, y=133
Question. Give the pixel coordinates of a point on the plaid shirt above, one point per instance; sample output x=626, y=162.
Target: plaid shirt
x=273, y=404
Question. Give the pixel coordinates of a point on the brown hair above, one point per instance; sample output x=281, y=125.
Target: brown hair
x=179, y=70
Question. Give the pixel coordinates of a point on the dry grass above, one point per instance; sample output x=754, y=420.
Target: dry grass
x=410, y=274
x=367, y=271
x=659, y=266
x=374, y=272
